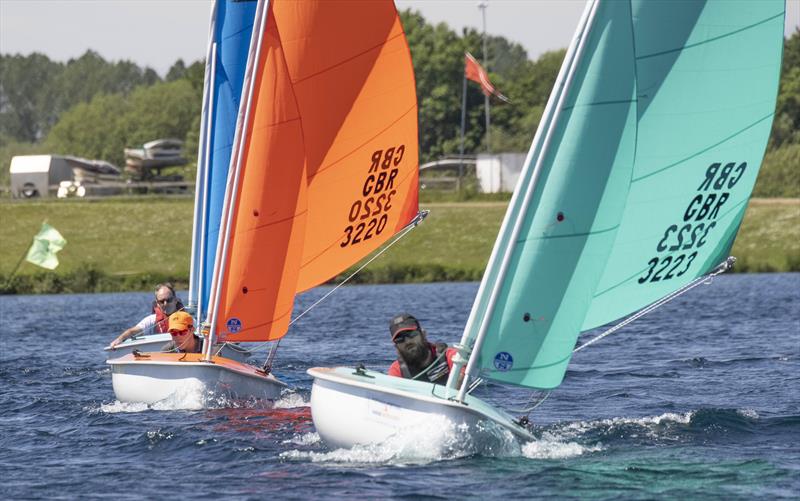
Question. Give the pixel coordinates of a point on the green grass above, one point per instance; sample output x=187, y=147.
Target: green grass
x=769, y=239
x=132, y=243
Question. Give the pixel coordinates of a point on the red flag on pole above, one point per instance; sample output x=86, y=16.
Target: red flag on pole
x=475, y=72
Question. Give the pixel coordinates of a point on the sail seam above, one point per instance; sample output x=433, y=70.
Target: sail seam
x=599, y=103
x=639, y=272
x=768, y=116
x=279, y=221
x=351, y=58
x=324, y=167
x=714, y=39
x=585, y=234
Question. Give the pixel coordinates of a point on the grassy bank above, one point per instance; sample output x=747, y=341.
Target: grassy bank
x=130, y=244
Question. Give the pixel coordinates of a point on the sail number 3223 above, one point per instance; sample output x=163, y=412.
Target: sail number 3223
x=696, y=223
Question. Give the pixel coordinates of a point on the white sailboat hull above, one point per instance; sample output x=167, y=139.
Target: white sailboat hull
x=359, y=408
x=154, y=343
x=159, y=376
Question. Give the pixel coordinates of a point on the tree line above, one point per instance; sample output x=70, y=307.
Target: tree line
x=94, y=108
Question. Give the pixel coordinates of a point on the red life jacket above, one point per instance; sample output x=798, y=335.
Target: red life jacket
x=437, y=372
x=162, y=321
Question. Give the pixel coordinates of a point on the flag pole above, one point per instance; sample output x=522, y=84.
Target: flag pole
x=483, y=6
x=19, y=263
x=463, y=129
x=14, y=271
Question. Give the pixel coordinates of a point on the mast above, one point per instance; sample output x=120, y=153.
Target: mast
x=200, y=195
x=550, y=118
x=233, y=173
x=200, y=275
x=482, y=6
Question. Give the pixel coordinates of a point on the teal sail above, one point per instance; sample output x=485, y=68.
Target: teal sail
x=637, y=180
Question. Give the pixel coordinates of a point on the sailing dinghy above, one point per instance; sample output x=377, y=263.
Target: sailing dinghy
x=323, y=170
x=633, y=190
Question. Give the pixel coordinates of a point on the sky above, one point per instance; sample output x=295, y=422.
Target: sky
x=156, y=33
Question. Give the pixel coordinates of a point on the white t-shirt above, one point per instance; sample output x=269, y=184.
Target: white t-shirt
x=147, y=324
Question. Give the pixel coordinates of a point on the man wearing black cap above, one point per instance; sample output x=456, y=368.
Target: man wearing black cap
x=416, y=357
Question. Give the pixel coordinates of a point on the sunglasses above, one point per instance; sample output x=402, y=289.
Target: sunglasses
x=164, y=301
x=404, y=336
x=179, y=333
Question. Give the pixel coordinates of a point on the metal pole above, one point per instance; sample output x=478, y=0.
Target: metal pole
x=482, y=6
x=463, y=129
x=237, y=155
x=202, y=168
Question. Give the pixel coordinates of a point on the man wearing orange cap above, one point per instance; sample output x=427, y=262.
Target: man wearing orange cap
x=181, y=326
x=416, y=357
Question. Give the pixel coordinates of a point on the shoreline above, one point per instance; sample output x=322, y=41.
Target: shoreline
x=129, y=245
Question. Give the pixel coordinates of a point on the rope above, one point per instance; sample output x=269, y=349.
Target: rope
x=410, y=226
x=421, y=215
x=721, y=268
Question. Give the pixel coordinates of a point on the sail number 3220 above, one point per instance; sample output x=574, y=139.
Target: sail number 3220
x=368, y=214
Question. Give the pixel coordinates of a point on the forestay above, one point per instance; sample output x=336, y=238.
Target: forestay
x=637, y=182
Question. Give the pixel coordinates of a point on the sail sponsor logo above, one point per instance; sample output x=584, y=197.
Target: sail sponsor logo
x=697, y=221
x=503, y=361
x=233, y=325
x=368, y=215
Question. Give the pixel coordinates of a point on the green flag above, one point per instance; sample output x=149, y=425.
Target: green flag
x=45, y=245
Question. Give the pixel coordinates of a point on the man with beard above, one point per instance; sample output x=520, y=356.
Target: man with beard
x=416, y=357
x=164, y=305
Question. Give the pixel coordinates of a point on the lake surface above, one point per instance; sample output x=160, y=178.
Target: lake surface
x=700, y=399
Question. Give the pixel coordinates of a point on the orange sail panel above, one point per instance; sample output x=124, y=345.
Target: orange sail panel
x=354, y=82
x=330, y=167
x=268, y=229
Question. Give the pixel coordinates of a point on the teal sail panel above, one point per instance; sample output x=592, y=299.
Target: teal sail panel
x=707, y=97
x=663, y=124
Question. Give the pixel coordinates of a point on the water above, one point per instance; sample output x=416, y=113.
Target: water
x=700, y=399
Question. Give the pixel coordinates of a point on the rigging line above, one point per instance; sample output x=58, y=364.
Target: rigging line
x=721, y=268
x=527, y=410
x=421, y=215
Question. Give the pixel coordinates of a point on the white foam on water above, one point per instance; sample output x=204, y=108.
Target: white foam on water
x=748, y=413
x=117, y=406
x=290, y=400
x=571, y=430
x=304, y=439
x=437, y=439
x=551, y=446
x=190, y=395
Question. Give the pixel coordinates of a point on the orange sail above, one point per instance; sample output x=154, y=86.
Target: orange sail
x=330, y=169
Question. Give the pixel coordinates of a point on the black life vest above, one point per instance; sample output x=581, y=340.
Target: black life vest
x=437, y=372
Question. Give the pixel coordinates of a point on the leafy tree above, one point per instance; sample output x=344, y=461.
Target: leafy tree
x=786, y=126
x=27, y=96
x=109, y=123
x=176, y=71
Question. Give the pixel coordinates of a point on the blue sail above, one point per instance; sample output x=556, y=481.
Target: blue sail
x=637, y=182
x=231, y=37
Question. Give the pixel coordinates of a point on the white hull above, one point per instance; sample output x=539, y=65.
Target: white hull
x=351, y=409
x=154, y=343
x=163, y=376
